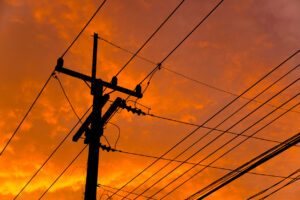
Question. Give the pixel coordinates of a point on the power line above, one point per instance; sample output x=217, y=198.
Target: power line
x=126, y=50
x=190, y=134
x=192, y=163
x=153, y=34
x=143, y=155
x=190, y=78
x=63, y=172
x=274, y=185
x=180, y=43
x=194, y=29
x=209, y=143
x=272, y=121
x=224, y=91
x=119, y=133
x=30, y=108
x=50, y=156
x=215, y=129
x=101, y=5
x=101, y=185
x=290, y=182
x=219, y=125
x=109, y=191
x=253, y=163
x=66, y=96
x=157, y=67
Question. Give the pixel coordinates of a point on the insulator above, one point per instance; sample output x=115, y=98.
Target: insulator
x=123, y=104
x=114, y=80
x=60, y=63
x=159, y=66
x=128, y=108
x=138, y=89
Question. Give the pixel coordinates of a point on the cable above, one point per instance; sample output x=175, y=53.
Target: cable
x=101, y=185
x=106, y=140
x=130, y=52
x=28, y=111
x=253, y=163
x=65, y=94
x=153, y=34
x=190, y=134
x=192, y=163
x=274, y=185
x=187, y=36
x=219, y=130
x=109, y=191
x=119, y=133
x=187, y=77
x=209, y=143
x=224, y=91
x=62, y=172
x=290, y=182
x=50, y=156
x=272, y=121
x=101, y=5
x=158, y=67
x=221, y=124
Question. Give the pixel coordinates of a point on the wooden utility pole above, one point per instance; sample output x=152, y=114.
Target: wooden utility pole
x=93, y=125
x=93, y=135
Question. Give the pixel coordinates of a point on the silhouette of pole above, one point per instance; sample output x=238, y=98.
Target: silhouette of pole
x=93, y=135
x=94, y=123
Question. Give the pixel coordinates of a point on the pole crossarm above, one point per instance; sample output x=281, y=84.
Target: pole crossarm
x=94, y=124
x=59, y=68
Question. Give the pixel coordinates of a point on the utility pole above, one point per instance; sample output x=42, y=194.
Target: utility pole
x=94, y=123
x=93, y=135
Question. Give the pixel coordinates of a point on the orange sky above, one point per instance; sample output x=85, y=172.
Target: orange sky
x=238, y=44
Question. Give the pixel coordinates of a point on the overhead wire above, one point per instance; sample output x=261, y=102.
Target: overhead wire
x=215, y=129
x=66, y=96
x=159, y=64
x=222, y=90
x=209, y=143
x=119, y=133
x=232, y=148
x=107, y=186
x=223, y=120
x=186, y=37
x=109, y=191
x=26, y=114
x=51, y=155
x=280, y=188
x=152, y=35
x=149, y=156
x=60, y=175
x=75, y=39
x=246, y=167
x=253, y=85
x=274, y=185
x=187, y=77
x=193, y=163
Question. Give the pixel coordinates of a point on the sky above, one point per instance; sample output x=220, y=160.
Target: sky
x=236, y=46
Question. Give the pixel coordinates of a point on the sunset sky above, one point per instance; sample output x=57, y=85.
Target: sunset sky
x=237, y=45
